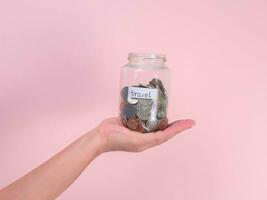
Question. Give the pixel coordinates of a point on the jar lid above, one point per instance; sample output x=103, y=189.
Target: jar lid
x=146, y=56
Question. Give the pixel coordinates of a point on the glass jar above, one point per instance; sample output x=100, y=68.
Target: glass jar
x=144, y=86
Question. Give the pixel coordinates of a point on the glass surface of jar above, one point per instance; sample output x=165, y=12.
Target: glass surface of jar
x=144, y=91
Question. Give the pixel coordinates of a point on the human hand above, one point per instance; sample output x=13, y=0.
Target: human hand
x=53, y=177
x=115, y=137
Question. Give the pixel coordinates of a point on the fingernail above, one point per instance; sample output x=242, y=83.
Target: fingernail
x=191, y=122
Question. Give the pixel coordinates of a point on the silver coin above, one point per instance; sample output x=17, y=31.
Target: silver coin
x=158, y=84
x=143, y=116
x=145, y=102
x=165, y=101
x=141, y=85
x=146, y=130
x=150, y=86
x=152, y=124
x=162, y=107
x=162, y=114
x=161, y=96
x=144, y=109
x=131, y=100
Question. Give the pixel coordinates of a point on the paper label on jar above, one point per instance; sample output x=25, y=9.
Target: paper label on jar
x=142, y=93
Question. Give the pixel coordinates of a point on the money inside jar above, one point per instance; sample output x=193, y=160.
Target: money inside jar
x=143, y=108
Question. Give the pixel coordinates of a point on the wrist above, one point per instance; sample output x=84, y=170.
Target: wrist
x=95, y=141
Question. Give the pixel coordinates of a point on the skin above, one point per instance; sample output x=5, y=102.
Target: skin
x=55, y=175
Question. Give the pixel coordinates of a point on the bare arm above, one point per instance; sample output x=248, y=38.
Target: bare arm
x=55, y=175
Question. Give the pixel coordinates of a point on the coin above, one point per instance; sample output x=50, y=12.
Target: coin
x=162, y=106
x=163, y=123
x=144, y=109
x=165, y=101
x=150, y=86
x=129, y=111
x=145, y=102
x=162, y=110
x=143, y=116
x=141, y=85
x=140, y=126
x=124, y=93
x=161, y=97
x=123, y=121
x=162, y=114
x=158, y=84
x=131, y=100
x=151, y=124
x=132, y=124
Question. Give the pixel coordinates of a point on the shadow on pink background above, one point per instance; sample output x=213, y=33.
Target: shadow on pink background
x=59, y=77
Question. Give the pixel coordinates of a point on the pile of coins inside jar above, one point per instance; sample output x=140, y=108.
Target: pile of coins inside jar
x=144, y=114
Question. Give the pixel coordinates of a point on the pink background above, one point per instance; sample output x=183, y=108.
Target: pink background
x=59, y=77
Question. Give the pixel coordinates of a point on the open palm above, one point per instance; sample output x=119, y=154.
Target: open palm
x=118, y=138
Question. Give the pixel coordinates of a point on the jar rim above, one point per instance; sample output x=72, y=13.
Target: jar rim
x=146, y=56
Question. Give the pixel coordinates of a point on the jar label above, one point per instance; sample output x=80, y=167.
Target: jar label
x=142, y=93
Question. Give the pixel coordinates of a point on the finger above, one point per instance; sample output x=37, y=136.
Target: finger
x=171, y=130
x=175, y=128
x=179, y=121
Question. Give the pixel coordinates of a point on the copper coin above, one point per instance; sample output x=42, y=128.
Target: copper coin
x=122, y=116
x=123, y=121
x=140, y=126
x=163, y=123
x=132, y=124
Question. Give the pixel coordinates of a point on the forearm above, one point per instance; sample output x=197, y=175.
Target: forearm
x=52, y=177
